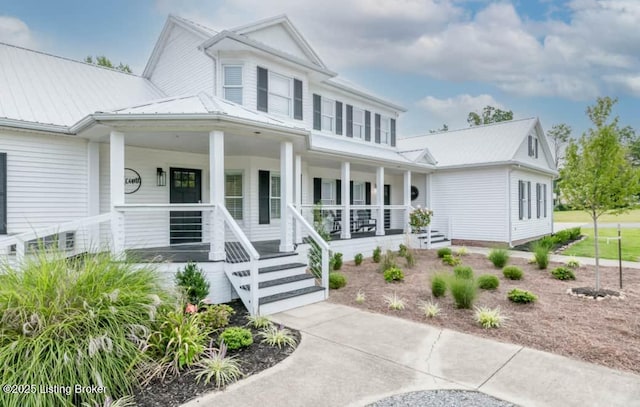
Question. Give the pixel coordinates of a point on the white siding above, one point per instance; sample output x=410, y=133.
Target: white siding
x=277, y=37
x=476, y=202
x=522, y=155
x=419, y=181
x=181, y=68
x=46, y=180
x=530, y=228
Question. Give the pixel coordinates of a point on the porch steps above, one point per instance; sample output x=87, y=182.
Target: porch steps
x=437, y=240
x=278, y=285
x=290, y=299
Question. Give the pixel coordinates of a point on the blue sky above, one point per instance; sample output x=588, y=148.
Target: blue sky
x=439, y=58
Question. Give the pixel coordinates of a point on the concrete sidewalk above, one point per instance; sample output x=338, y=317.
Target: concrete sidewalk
x=349, y=357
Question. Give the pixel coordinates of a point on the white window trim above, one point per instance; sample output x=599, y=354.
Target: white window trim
x=332, y=190
x=225, y=86
x=354, y=123
x=331, y=114
x=241, y=197
x=272, y=93
x=358, y=185
x=272, y=197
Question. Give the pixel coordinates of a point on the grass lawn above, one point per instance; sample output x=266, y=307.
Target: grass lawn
x=630, y=244
x=580, y=216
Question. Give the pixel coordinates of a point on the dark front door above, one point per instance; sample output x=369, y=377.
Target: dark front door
x=387, y=201
x=185, y=187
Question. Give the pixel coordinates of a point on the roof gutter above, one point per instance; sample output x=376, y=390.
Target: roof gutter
x=43, y=127
x=497, y=163
x=366, y=96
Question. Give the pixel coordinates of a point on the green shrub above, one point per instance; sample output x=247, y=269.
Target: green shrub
x=462, y=251
x=236, y=337
x=444, y=251
x=521, y=296
x=575, y=233
x=541, y=255
x=463, y=291
x=573, y=263
x=402, y=251
x=358, y=259
x=393, y=274
x=547, y=241
x=337, y=280
x=194, y=283
x=438, y=285
x=450, y=260
x=276, y=336
x=377, y=253
x=512, y=272
x=463, y=272
x=74, y=321
x=410, y=257
x=488, y=282
x=336, y=261
x=388, y=261
x=499, y=257
x=218, y=366
x=489, y=318
x=563, y=273
x=216, y=316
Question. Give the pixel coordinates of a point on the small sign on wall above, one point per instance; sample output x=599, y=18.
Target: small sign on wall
x=132, y=181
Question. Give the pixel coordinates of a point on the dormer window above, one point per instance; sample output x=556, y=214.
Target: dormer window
x=384, y=130
x=358, y=123
x=232, y=86
x=280, y=94
x=533, y=146
x=328, y=112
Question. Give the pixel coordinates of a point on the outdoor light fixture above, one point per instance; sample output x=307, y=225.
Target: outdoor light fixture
x=161, y=177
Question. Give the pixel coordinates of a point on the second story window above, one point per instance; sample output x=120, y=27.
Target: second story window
x=384, y=130
x=280, y=94
x=232, y=83
x=358, y=123
x=328, y=112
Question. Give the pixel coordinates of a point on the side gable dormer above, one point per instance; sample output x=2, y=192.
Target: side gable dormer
x=534, y=149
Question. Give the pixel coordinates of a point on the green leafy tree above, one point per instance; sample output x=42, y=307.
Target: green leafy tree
x=106, y=62
x=489, y=115
x=559, y=136
x=597, y=176
x=445, y=127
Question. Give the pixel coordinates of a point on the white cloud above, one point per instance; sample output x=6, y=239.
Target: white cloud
x=16, y=32
x=453, y=111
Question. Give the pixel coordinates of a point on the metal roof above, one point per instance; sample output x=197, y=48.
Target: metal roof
x=41, y=88
x=494, y=143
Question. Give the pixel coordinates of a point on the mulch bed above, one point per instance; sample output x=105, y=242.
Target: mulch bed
x=176, y=390
x=604, y=332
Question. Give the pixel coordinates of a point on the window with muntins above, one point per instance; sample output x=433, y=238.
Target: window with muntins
x=328, y=114
x=280, y=94
x=544, y=198
x=522, y=199
x=274, y=197
x=232, y=86
x=358, y=193
x=358, y=123
x=385, y=130
x=234, y=199
x=327, y=196
x=538, y=200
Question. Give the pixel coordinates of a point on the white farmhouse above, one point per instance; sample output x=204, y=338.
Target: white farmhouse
x=230, y=150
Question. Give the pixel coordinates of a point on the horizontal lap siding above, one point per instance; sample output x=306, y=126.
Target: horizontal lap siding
x=476, y=201
x=530, y=228
x=182, y=68
x=46, y=180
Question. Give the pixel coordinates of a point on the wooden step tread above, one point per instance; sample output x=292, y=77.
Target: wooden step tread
x=280, y=281
x=270, y=269
x=289, y=294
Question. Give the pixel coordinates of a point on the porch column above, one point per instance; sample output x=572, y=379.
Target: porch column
x=93, y=195
x=216, y=195
x=298, y=195
x=286, y=196
x=346, y=200
x=380, y=201
x=406, y=193
x=116, y=188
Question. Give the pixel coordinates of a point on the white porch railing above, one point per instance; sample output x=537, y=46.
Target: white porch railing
x=318, y=248
x=362, y=218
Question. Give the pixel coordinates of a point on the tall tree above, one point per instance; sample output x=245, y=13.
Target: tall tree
x=597, y=177
x=106, y=62
x=490, y=114
x=559, y=137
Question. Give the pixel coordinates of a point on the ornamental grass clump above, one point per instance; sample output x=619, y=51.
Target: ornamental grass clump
x=488, y=282
x=463, y=291
x=499, y=257
x=438, y=285
x=430, y=309
x=78, y=321
x=217, y=366
x=541, y=255
x=394, y=302
x=463, y=272
x=489, y=318
x=512, y=272
x=278, y=336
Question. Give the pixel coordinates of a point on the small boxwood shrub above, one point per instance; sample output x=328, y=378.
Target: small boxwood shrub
x=499, y=257
x=488, y=282
x=512, y=272
x=450, y=260
x=336, y=261
x=463, y=272
x=377, y=254
x=216, y=316
x=521, y=296
x=194, y=283
x=444, y=251
x=464, y=292
x=236, y=337
x=563, y=273
x=438, y=285
x=337, y=280
x=393, y=274
x=358, y=259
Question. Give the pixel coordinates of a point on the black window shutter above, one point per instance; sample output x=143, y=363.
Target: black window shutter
x=530, y=145
x=538, y=200
x=338, y=192
x=3, y=193
x=393, y=132
x=297, y=99
x=349, y=121
x=351, y=192
x=317, y=113
x=529, y=199
x=263, y=89
x=367, y=125
x=520, y=200
x=536, y=148
x=544, y=198
x=339, y=118
x=317, y=190
x=377, y=128
x=367, y=196
x=264, y=213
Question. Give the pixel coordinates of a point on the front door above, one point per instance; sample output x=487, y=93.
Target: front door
x=387, y=201
x=185, y=187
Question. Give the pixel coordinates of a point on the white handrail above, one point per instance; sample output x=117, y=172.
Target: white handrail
x=163, y=207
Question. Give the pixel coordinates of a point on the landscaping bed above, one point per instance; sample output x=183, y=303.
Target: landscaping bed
x=606, y=332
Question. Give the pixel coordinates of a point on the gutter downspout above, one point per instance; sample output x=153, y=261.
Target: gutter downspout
x=510, y=222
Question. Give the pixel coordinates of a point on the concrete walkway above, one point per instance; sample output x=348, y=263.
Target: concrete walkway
x=349, y=357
